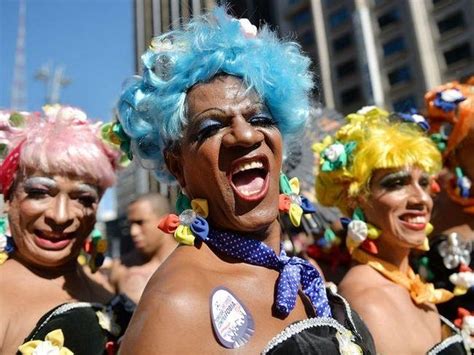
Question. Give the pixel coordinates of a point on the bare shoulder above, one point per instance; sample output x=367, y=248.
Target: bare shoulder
x=379, y=303
x=362, y=284
x=173, y=307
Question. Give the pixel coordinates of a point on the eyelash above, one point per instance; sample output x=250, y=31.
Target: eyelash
x=87, y=201
x=262, y=120
x=211, y=126
x=400, y=182
x=36, y=193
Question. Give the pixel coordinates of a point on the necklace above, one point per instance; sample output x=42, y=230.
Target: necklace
x=420, y=292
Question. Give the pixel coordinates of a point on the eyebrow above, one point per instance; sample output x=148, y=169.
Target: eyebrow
x=88, y=188
x=400, y=175
x=39, y=180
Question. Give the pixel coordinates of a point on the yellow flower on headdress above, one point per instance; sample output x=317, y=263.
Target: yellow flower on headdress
x=319, y=147
x=358, y=121
x=53, y=343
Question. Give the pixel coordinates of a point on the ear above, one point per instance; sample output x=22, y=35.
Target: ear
x=6, y=206
x=174, y=163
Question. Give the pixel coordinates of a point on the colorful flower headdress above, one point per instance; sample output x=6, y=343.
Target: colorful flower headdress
x=450, y=109
x=15, y=126
x=336, y=157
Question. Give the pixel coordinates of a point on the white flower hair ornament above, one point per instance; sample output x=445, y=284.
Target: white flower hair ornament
x=247, y=29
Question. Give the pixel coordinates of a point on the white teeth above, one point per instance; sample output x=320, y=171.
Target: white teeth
x=248, y=166
x=416, y=220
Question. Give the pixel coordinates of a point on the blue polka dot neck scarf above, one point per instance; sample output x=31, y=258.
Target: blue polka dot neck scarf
x=294, y=271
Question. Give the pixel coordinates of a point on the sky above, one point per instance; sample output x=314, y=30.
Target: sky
x=92, y=40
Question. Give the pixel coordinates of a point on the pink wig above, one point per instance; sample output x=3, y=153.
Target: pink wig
x=62, y=142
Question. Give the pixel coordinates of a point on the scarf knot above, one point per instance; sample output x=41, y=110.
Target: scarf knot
x=294, y=271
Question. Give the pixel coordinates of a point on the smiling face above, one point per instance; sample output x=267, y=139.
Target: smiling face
x=400, y=205
x=231, y=155
x=50, y=217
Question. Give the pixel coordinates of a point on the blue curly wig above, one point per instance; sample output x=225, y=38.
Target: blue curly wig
x=152, y=109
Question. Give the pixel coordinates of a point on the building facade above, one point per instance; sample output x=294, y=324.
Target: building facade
x=383, y=52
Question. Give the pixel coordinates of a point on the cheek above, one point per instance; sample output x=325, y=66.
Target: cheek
x=380, y=210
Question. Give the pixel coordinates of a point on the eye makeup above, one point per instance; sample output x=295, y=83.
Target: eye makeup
x=87, y=188
x=37, y=182
x=395, y=179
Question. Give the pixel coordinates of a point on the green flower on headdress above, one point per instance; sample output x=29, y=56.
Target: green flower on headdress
x=114, y=134
x=336, y=156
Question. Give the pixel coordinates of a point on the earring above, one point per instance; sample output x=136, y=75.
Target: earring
x=190, y=223
x=291, y=202
x=360, y=233
x=426, y=243
x=96, y=247
x=6, y=242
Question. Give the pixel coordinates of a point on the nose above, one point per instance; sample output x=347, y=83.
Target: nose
x=134, y=230
x=59, y=212
x=242, y=133
x=419, y=198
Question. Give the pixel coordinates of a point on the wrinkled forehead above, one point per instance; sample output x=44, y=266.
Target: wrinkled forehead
x=223, y=92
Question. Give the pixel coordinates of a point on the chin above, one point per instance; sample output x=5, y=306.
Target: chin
x=256, y=222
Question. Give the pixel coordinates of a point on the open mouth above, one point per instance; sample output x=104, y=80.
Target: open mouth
x=415, y=222
x=52, y=240
x=249, y=178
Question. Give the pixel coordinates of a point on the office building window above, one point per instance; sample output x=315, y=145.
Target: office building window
x=404, y=104
x=307, y=38
x=351, y=95
x=393, y=46
x=458, y=53
x=347, y=68
x=343, y=42
x=399, y=75
x=339, y=17
x=455, y=20
x=301, y=19
x=389, y=18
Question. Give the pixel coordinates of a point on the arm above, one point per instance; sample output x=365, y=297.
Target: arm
x=115, y=274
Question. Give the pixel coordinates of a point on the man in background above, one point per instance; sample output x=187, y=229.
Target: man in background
x=131, y=273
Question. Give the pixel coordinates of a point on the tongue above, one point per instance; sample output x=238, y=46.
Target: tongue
x=248, y=182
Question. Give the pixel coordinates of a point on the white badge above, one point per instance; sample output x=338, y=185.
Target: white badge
x=231, y=321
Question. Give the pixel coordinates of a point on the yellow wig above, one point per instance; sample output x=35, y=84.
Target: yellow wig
x=378, y=143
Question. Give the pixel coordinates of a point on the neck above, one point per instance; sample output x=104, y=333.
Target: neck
x=271, y=236
x=163, y=251
x=66, y=271
x=395, y=255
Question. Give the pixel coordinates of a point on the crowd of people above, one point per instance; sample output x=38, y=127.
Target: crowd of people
x=217, y=105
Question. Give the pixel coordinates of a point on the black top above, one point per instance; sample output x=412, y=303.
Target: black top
x=88, y=328
x=345, y=333
x=453, y=345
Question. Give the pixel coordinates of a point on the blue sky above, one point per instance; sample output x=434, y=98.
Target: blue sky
x=92, y=39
